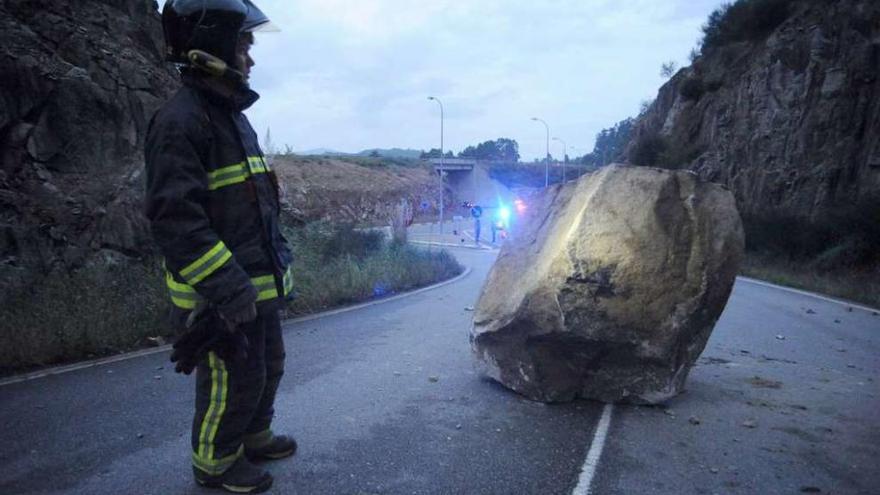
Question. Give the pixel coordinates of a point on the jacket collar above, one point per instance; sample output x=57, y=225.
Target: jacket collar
x=240, y=99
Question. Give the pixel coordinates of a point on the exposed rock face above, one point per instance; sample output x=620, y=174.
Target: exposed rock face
x=78, y=84
x=790, y=123
x=611, y=288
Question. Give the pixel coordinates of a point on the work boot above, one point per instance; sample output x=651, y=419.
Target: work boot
x=273, y=447
x=241, y=477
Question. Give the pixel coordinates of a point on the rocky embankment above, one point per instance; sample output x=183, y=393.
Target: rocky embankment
x=79, y=83
x=315, y=189
x=789, y=121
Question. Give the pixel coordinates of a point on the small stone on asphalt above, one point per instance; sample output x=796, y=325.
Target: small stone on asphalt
x=140, y=435
x=433, y=379
x=713, y=470
x=694, y=420
x=469, y=308
x=458, y=426
x=780, y=337
x=810, y=312
x=750, y=423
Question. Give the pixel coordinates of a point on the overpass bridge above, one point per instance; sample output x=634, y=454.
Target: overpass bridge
x=467, y=179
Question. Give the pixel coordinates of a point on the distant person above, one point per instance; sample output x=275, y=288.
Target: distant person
x=476, y=213
x=213, y=205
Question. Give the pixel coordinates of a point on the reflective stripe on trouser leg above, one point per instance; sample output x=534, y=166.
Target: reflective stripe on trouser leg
x=219, y=426
x=274, y=364
x=213, y=378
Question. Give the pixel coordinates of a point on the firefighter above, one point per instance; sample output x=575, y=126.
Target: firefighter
x=213, y=206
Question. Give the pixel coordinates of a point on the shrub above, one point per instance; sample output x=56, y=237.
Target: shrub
x=358, y=269
x=743, y=20
x=648, y=149
x=842, y=237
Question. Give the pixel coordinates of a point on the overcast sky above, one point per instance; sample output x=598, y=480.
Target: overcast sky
x=351, y=75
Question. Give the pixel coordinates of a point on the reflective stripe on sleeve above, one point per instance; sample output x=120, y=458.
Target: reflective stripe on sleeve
x=184, y=296
x=237, y=173
x=201, y=268
x=227, y=176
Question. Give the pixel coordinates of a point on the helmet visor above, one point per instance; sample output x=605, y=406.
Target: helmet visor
x=256, y=20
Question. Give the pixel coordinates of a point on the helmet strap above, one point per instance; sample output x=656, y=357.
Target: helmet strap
x=214, y=66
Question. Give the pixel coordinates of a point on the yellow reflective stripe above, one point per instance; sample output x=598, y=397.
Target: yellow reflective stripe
x=216, y=408
x=237, y=173
x=288, y=281
x=224, y=389
x=216, y=466
x=196, y=271
x=257, y=165
x=226, y=176
x=265, y=286
x=184, y=296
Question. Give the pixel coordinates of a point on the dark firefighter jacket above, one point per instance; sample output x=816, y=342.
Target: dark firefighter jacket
x=213, y=203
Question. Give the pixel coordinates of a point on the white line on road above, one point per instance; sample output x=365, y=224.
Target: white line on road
x=810, y=294
x=585, y=480
x=60, y=370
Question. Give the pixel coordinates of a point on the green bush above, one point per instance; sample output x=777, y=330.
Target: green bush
x=844, y=237
x=359, y=269
x=743, y=20
x=648, y=150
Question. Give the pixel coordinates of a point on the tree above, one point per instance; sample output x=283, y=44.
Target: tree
x=668, y=69
x=610, y=143
x=433, y=153
x=501, y=149
x=268, y=145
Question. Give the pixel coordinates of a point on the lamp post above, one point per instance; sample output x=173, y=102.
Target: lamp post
x=547, y=160
x=564, y=156
x=441, y=161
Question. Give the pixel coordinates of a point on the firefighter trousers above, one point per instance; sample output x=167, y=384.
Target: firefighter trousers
x=235, y=399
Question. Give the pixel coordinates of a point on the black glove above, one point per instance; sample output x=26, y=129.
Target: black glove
x=193, y=345
x=240, y=315
x=209, y=331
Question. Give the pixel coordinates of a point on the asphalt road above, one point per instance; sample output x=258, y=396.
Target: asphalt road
x=384, y=400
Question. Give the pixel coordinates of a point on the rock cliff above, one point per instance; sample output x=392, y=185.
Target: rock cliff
x=789, y=121
x=78, y=83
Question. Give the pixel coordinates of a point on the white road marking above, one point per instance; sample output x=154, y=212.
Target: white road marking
x=810, y=294
x=585, y=480
x=60, y=370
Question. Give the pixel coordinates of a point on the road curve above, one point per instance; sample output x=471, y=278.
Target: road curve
x=384, y=400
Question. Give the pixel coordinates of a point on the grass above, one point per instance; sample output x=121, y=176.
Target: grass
x=337, y=265
x=99, y=311
x=857, y=285
x=91, y=312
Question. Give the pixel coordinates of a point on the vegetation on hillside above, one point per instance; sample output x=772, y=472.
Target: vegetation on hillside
x=516, y=175
x=97, y=312
x=743, y=20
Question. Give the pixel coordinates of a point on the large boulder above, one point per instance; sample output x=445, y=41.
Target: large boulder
x=610, y=287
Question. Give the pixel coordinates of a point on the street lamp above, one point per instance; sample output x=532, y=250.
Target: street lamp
x=547, y=160
x=564, y=156
x=441, y=161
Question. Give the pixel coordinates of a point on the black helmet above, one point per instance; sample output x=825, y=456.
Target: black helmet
x=212, y=26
